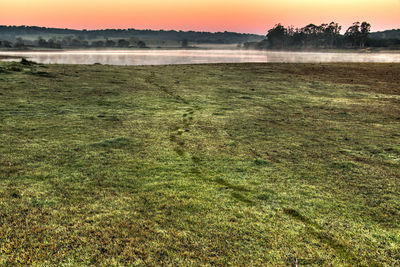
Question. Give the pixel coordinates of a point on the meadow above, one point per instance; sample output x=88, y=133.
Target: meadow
x=218, y=164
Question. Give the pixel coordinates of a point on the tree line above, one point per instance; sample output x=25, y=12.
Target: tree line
x=73, y=42
x=322, y=36
x=326, y=35
x=79, y=42
x=11, y=32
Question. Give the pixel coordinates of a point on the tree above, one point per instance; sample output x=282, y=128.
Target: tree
x=309, y=34
x=141, y=44
x=185, y=43
x=276, y=36
x=76, y=42
x=98, y=43
x=66, y=41
x=54, y=43
x=133, y=41
x=42, y=42
x=19, y=43
x=353, y=34
x=109, y=43
x=7, y=44
x=332, y=33
x=123, y=43
x=365, y=29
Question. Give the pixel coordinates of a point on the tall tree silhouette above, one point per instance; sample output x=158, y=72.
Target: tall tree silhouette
x=353, y=34
x=276, y=36
x=365, y=29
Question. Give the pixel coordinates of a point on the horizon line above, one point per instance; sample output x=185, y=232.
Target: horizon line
x=104, y=29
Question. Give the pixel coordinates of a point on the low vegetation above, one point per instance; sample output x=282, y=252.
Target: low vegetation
x=227, y=164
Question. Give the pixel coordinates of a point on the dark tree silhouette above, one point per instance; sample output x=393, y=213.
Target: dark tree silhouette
x=185, y=43
x=276, y=36
x=332, y=33
x=141, y=44
x=19, y=43
x=42, y=42
x=115, y=34
x=109, y=43
x=364, y=29
x=353, y=34
x=6, y=44
x=123, y=43
x=98, y=43
x=310, y=36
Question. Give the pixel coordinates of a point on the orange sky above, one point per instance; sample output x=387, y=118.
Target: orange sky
x=255, y=16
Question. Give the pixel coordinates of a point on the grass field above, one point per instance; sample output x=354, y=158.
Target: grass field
x=227, y=164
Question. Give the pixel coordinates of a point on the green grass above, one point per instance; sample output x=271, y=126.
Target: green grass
x=230, y=164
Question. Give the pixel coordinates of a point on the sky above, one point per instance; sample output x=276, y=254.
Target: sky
x=248, y=16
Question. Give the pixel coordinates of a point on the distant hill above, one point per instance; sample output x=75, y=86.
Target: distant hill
x=10, y=33
x=389, y=34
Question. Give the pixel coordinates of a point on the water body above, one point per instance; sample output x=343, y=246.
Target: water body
x=167, y=57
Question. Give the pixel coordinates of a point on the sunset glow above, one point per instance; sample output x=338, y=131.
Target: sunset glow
x=253, y=16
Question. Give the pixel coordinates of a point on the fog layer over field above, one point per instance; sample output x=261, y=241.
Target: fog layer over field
x=167, y=57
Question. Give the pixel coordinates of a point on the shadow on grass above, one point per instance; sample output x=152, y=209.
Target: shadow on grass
x=324, y=236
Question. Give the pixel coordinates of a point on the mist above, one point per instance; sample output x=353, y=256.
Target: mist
x=168, y=57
